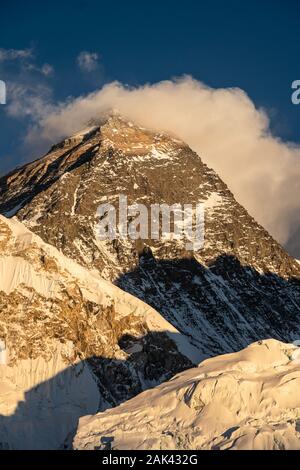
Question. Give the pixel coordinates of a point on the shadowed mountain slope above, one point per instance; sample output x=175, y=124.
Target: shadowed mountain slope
x=240, y=286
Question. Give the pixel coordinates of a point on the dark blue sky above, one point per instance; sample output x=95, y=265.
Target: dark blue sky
x=249, y=44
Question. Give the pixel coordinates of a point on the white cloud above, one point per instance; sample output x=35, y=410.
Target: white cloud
x=31, y=101
x=28, y=94
x=24, y=60
x=46, y=69
x=221, y=125
x=88, y=61
x=15, y=54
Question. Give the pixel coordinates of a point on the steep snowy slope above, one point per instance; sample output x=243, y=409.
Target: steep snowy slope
x=71, y=342
x=241, y=287
x=245, y=400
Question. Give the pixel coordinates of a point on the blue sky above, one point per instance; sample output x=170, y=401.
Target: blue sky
x=252, y=45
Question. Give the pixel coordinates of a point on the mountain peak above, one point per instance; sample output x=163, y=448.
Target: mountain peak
x=241, y=286
x=123, y=135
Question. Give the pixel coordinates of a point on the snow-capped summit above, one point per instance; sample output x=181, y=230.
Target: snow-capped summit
x=241, y=287
x=74, y=342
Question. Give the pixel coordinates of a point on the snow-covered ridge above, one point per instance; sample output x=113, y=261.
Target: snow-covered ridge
x=19, y=269
x=244, y=400
x=78, y=345
x=62, y=327
x=224, y=301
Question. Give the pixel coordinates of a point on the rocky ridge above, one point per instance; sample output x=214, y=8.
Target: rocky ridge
x=240, y=287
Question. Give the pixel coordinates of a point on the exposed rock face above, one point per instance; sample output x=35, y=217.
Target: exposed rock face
x=246, y=400
x=242, y=286
x=74, y=342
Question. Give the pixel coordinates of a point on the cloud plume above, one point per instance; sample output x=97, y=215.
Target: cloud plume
x=221, y=125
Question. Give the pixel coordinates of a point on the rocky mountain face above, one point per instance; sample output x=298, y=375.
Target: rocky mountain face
x=246, y=400
x=240, y=287
x=71, y=343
